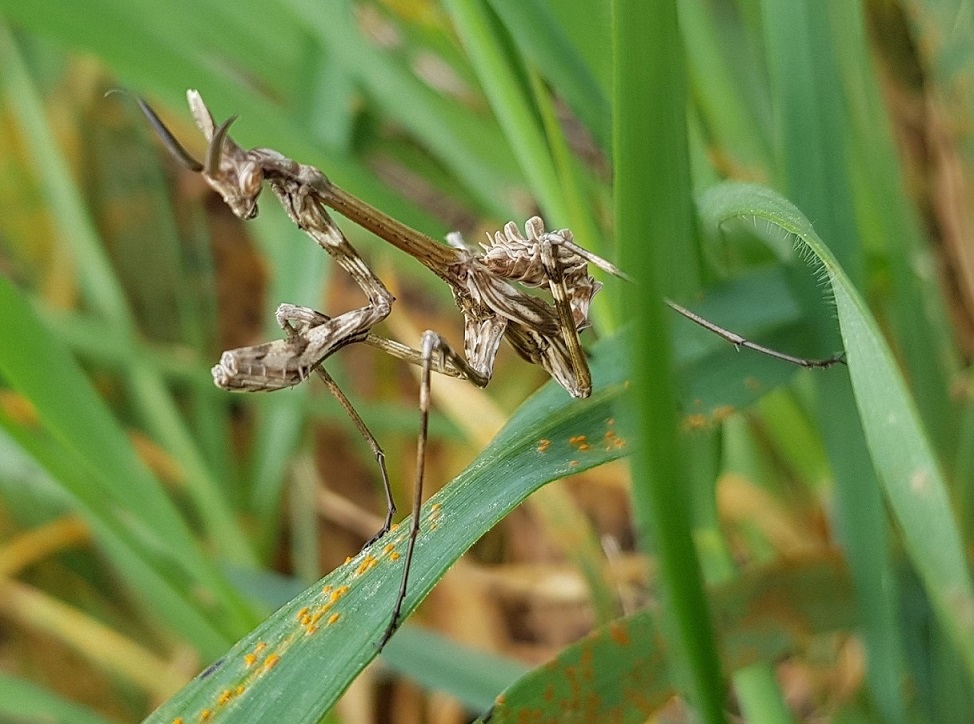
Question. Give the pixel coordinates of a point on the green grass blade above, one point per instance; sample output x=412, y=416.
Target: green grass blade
x=901, y=454
x=811, y=114
x=723, y=105
x=93, y=341
x=558, y=61
x=167, y=591
x=159, y=66
x=496, y=69
x=889, y=222
x=97, y=278
x=39, y=368
x=655, y=225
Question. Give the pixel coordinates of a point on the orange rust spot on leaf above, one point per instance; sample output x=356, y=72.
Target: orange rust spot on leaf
x=543, y=445
x=271, y=661
x=586, y=662
x=367, y=563
x=700, y=420
x=579, y=442
x=251, y=658
x=723, y=412
x=695, y=421
x=338, y=593
x=394, y=556
x=619, y=634
x=613, y=441
x=302, y=613
x=571, y=673
x=333, y=618
x=205, y=715
x=19, y=408
x=225, y=696
x=573, y=463
x=177, y=720
x=436, y=512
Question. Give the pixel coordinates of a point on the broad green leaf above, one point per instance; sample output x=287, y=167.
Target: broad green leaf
x=471, y=676
x=617, y=673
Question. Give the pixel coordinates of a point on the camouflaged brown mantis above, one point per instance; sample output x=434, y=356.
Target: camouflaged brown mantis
x=487, y=284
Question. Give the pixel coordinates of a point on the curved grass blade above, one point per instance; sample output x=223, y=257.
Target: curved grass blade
x=618, y=672
x=901, y=453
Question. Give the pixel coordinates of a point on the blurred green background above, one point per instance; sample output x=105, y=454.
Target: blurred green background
x=149, y=520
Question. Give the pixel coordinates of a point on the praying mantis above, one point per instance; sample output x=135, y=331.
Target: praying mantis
x=488, y=285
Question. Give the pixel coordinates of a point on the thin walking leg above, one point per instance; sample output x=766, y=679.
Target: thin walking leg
x=377, y=453
x=431, y=343
x=739, y=341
